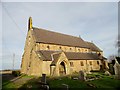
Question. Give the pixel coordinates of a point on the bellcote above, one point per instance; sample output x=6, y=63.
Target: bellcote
x=30, y=23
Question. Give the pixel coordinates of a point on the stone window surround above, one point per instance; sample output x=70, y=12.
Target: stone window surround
x=98, y=62
x=81, y=63
x=90, y=62
x=71, y=64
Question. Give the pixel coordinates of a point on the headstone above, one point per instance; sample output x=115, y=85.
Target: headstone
x=29, y=86
x=107, y=73
x=111, y=69
x=46, y=87
x=82, y=76
x=117, y=69
x=43, y=80
x=91, y=85
x=65, y=87
x=75, y=78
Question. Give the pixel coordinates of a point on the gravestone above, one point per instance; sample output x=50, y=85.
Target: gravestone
x=117, y=69
x=65, y=87
x=82, y=76
x=111, y=69
x=107, y=73
x=43, y=80
x=43, y=84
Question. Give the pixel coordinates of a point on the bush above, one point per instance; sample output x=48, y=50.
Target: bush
x=16, y=73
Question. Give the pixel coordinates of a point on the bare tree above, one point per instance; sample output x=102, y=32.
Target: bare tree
x=111, y=58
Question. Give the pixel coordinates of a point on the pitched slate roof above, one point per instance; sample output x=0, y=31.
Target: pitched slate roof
x=45, y=36
x=81, y=56
x=47, y=54
x=93, y=47
x=70, y=55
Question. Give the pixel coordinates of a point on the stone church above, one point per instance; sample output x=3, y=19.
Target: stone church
x=56, y=54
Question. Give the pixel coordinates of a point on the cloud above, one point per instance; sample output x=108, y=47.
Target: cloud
x=59, y=0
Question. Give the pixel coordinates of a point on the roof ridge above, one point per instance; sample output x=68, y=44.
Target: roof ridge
x=93, y=45
x=57, y=32
x=46, y=36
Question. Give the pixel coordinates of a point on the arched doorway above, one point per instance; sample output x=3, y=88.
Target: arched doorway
x=62, y=69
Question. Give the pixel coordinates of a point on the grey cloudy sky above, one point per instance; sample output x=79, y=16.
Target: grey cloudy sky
x=93, y=21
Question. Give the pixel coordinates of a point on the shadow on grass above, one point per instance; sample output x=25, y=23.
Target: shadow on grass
x=31, y=84
x=10, y=81
x=55, y=83
x=6, y=78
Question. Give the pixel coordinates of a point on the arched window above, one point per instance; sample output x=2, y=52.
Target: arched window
x=98, y=62
x=90, y=62
x=60, y=47
x=82, y=64
x=71, y=64
x=48, y=47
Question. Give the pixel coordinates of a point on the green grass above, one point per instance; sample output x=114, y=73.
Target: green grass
x=106, y=82
x=33, y=83
x=56, y=82
x=8, y=85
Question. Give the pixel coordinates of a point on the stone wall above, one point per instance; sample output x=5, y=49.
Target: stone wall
x=43, y=46
x=32, y=64
x=35, y=65
x=46, y=67
x=29, y=47
x=85, y=65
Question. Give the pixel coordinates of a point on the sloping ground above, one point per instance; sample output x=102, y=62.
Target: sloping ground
x=102, y=82
x=14, y=82
x=106, y=82
x=21, y=81
x=56, y=83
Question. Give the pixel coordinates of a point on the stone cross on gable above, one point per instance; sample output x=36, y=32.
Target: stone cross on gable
x=30, y=23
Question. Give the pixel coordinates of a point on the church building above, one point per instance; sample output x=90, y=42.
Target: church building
x=56, y=54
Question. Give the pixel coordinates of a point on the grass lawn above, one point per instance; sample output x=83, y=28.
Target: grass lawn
x=56, y=82
x=106, y=82
x=8, y=84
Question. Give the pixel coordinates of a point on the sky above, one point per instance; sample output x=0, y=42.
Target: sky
x=92, y=21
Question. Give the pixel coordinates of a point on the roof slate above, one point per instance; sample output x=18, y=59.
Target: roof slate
x=45, y=36
x=81, y=56
x=70, y=55
x=47, y=54
x=93, y=47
